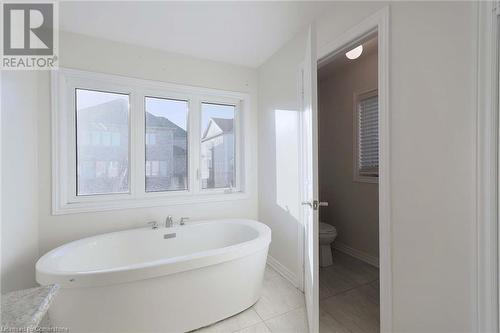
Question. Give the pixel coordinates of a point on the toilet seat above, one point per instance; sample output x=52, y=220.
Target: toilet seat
x=325, y=228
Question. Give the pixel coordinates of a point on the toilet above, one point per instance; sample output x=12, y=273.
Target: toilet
x=327, y=234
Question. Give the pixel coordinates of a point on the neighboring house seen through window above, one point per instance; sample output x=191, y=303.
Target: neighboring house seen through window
x=217, y=146
x=105, y=116
x=123, y=142
x=166, y=144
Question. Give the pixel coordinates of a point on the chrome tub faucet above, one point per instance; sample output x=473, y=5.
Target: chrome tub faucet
x=169, y=222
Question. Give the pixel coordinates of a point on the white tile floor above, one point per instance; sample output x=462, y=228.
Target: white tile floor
x=349, y=296
x=281, y=309
x=349, y=303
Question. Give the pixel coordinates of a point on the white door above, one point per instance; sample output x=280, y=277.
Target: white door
x=310, y=204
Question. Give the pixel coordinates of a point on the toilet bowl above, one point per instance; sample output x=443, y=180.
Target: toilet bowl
x=327, y=235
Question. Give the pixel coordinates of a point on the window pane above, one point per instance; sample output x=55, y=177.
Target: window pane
x=217, y=146
x=166, y=144
x=368, y=136
x=102, y=132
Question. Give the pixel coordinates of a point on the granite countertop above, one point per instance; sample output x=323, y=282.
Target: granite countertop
x=26, y=308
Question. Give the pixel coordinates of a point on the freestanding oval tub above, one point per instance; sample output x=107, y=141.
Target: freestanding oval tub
x=157, y=280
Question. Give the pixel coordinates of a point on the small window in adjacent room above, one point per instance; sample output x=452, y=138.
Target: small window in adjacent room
x=217, y=146
x=366, y=137
x=166, y=144
x=102, y=149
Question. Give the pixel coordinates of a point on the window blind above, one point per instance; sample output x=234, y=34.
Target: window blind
x=368, y=136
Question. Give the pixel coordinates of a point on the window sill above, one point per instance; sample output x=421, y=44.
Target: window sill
x=131, y=203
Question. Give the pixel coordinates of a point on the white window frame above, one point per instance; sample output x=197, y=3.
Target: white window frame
x=64, y=198
x=357, y=176
x=237, y=144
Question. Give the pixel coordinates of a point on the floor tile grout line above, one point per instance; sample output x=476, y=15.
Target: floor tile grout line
x=333, y=317
x=350, y=289
x=257, y=312
x=356, y=286
x=284, y=313
x=233, y=316
x=347, y=290
x=269, y=329
x=341, y=292
x=245, y=327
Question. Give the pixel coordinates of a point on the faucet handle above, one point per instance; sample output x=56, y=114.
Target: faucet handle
x=153, y=224
x=183, y=220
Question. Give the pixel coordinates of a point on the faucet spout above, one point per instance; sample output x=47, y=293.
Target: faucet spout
x=169, y=222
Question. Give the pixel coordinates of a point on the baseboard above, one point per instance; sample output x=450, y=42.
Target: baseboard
x=283, y=271
x=363, y=256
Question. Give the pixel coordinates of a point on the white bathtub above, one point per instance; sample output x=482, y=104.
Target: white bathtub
x=163, y=280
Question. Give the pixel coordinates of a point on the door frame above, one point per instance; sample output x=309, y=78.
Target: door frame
x=487, y=167
x=379, y=21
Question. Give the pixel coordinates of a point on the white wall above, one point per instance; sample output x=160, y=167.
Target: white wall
x=98, y=55
x=279, y=198
x=19, y=179
x=433, y=165
x=432, y=156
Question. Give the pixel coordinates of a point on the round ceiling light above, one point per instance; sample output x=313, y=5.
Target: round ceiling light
x=354, y=53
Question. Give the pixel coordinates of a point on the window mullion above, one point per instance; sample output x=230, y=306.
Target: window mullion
x=238, y=129
x=71, y=148
x=138, y=150
x=194, y=144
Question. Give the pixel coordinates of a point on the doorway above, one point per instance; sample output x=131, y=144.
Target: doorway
x=348, y=165
x=376, y=24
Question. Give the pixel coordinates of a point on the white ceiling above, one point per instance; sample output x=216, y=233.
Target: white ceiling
x=243, y=33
